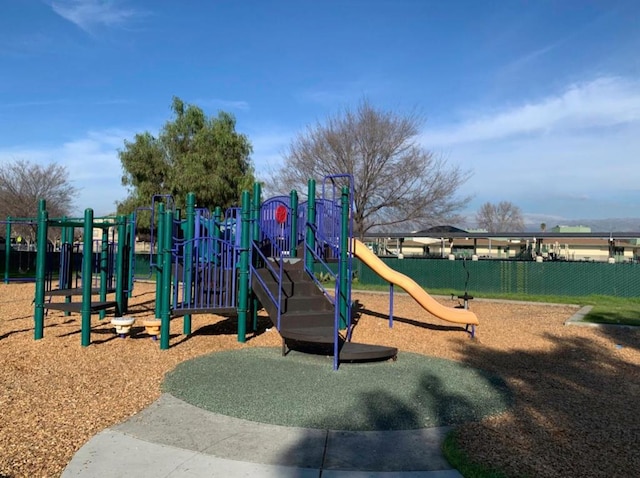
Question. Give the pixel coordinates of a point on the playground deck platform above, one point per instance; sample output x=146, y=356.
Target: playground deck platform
x=77, y=306
x=74, y=291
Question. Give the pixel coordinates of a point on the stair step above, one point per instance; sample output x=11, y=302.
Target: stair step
x=355, y=352
x=307, y=317
x=272, y=284
x=310, y=318
x=307, y=303
x=319, y=341
x=318, y=334
x=290, y=286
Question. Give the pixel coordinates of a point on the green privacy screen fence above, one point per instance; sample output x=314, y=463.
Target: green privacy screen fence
x=514, y=277
x=500, y=277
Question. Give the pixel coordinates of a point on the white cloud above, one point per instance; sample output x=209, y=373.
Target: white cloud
x=573, y=155
x=94, y=167
x=87, y=14
x=92, y=163
x=268, y=147
x=603, y=102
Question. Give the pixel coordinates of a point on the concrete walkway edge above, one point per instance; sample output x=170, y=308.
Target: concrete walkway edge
x=172, y=438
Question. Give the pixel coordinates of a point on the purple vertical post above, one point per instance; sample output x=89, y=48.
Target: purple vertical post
x=390, y=304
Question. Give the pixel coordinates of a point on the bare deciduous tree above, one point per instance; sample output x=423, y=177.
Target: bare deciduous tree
x=397, y=183
x=23, y=184
x=502, y=217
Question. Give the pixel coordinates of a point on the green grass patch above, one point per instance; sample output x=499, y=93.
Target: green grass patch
x=624, y=314
x=606, y=309
x=460, y=460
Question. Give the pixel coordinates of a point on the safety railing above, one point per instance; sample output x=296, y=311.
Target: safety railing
x=260, y=259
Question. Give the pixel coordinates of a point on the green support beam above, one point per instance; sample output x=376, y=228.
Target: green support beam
x=120, y=262
x=243, y=273
x=255, y=236
x=344, y=305
x=41, y=259
x=158, y=261
x=87, y=256
x=166, y=280
x=189, y=233
x=311, y=221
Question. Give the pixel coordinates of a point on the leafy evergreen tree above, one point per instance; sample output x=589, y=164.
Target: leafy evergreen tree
x=192, y=153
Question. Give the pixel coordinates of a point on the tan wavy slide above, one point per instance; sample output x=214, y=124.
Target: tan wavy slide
x=428, y=303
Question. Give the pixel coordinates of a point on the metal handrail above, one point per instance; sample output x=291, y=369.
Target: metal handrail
x=319, y=259
x=278, y=273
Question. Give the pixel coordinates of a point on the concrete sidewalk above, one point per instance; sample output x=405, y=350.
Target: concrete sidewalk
x=172, y=438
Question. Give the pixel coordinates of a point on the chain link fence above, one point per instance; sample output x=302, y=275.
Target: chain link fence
x=514, y=277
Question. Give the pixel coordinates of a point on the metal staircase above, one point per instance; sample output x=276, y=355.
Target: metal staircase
x=307, y=316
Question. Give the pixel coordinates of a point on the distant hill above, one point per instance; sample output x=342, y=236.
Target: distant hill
x=627, y=224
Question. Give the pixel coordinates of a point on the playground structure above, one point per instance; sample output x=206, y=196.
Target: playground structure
x=19, y=265
x=268, y=254
x=101, y=270
x=264, y=254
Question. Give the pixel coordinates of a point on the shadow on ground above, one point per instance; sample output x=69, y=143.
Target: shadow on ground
x=575, y=409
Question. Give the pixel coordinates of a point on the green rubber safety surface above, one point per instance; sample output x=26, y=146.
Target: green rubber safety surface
x=299, y=390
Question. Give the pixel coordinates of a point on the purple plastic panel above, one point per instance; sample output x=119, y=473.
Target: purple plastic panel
x=275, y=225
x=210, y=273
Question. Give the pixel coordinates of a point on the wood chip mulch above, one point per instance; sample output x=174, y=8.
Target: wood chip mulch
x=576, y=389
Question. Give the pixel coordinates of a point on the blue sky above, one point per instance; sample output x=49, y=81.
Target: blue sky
x=539, y=99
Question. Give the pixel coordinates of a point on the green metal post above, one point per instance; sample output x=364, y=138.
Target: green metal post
x=243, y=274
x=255, y=236
x=7, y=250
x=311, y=220
x=120, y=262
x=344, y=257
x=87, y=256
x=188, y=257
x=166, y=280
x=158, y=261
x=104, y=264
x=41, y=259
x=293, y=242
x=255, y=211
